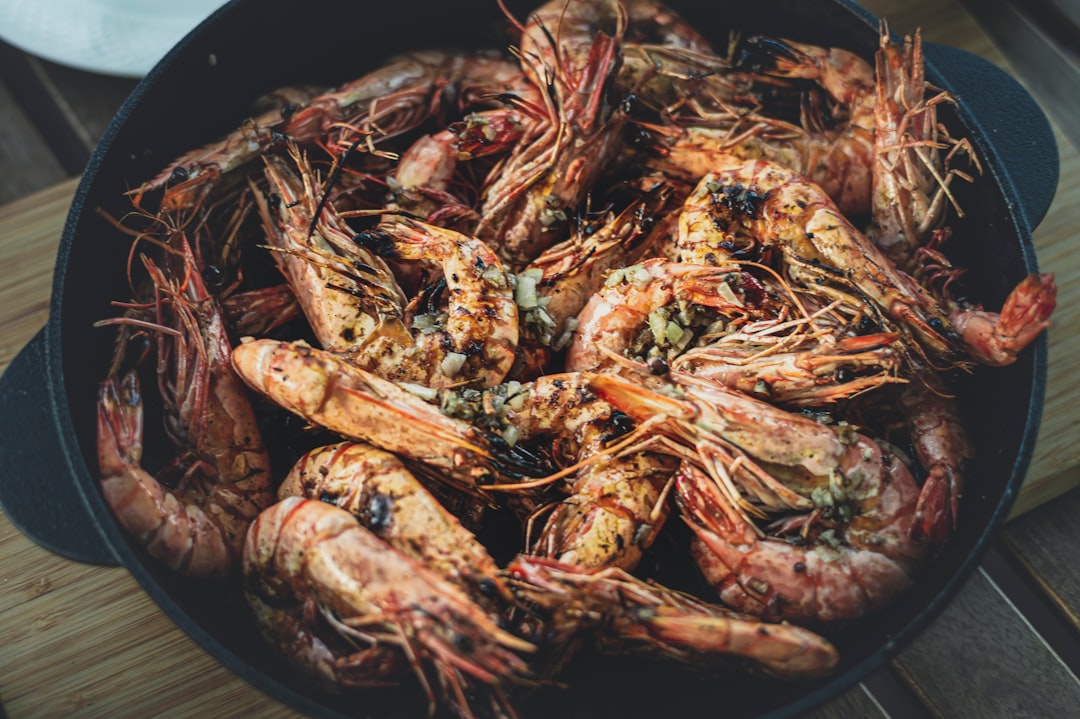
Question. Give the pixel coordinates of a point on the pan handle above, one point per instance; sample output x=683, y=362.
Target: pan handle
x=37, y=490
x=1016, y=128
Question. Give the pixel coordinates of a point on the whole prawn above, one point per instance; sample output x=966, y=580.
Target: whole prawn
x=725, y=108
x=221, y=472
x=634, y=616
x=913, y=153
x=611, y=507
x=328, y=391
x=763, y=204
x=571, y=48
x=352, y=611
x=376, y=488
x=852, y=501
x=757, y=342
x=356, y=308
x=380, y=105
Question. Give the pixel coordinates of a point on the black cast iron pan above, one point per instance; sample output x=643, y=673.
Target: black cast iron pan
x=204, y=87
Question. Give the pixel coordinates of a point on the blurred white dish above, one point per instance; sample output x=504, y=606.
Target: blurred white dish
x=115, y=37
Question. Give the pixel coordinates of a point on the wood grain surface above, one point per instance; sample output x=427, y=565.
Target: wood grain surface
x=86, y=641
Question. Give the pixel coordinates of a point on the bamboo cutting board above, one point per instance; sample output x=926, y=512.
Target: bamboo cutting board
x=86, y=641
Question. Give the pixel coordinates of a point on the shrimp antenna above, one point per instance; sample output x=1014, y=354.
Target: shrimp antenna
x=335, y=175
x=510, y=17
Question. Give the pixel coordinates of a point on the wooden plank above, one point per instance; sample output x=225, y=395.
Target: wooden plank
x=29, y=165
x=29, y=234
x=1046, y=544
x=48, y=669
x=981, y=659
x=87, y=101
x=1057, y=453
x=1051, y=71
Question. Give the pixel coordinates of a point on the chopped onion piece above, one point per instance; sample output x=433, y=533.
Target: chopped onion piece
x=725, y=291
x=452, y=363
x=658, y=325
x=425, y=393
x=525, y=293
x=673, y=332
x=638, y=275
x=495, y=277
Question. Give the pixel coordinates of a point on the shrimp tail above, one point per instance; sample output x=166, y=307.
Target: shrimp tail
x=938, y=506
x=996, y=339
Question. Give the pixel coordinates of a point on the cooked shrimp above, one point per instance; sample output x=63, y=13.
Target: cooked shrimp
x=839, y=163
x=613, y=514
x=846, y=77
x=356, y=308
x=347, y=293
x=631, y=615
x=385, y=103
x=423, y=178
x=572, y=49
x=613, y=508
x=944, y=451
x=743, y=457
x=331, y=392
x=841, y=570
x=635, y=298
x=555, y=287
x=913, y=153
x=771, y=452
x=760, y=203
x=220, y=478
x=797, y=370
x=729, y=107
x=374, y=486
x=351, y=610
x=190, y=178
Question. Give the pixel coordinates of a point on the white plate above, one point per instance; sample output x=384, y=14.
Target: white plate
x=114, y=37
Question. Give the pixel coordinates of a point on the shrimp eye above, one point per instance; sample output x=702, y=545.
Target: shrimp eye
x=179, y=174
x=213, y=276
x=658, y=366
x=288, y=110
x=759, y=54
x=377, y=241
x=380, y=512
x=844, y=375
x=937, y=324
x=620, y=424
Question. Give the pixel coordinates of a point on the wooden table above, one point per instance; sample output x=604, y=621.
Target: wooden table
x=78, y=640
